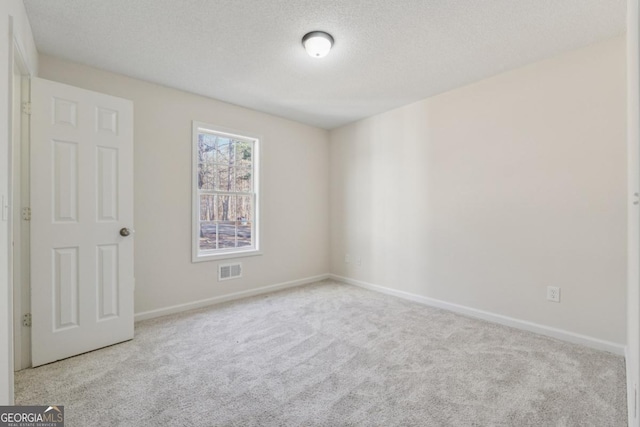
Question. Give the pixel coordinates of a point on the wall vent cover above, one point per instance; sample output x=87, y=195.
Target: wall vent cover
x=229, y=271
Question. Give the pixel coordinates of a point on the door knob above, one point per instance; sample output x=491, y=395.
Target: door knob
x=124, y=232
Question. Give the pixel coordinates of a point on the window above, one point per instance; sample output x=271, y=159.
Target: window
x=225, y=196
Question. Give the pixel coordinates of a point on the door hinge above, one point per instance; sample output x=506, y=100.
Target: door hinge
x=26, y=108
x=26, y=320
x=26, y=214
x=4, y=207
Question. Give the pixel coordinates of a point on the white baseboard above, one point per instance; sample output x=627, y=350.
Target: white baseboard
x=228, y=297
x=560, y=334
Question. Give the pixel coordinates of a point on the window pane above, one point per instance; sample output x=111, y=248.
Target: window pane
x=206, y=176
x=206, y=156
x=226, y=206
x=207, y=236
x=224, y=178
x=244, y=234
x=207, y=147
x=243, y=180
x=225, y=153
x=244, y=208
x=208, y=208
x=244, y=153
x=227, y=234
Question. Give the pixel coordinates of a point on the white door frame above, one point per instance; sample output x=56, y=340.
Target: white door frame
x=633, y=217
x=16, y=56
x=20, y=229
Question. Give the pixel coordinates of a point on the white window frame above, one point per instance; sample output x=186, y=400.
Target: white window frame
x=198, y=255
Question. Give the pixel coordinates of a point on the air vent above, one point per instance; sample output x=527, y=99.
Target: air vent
x=229, y=271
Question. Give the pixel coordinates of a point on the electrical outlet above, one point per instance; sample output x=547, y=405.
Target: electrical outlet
x=553, y=293
x=347, y=259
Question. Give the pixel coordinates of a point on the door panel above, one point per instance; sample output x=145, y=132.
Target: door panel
x=81, y=196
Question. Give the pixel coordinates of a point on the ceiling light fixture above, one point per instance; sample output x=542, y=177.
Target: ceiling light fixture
x=317, y=43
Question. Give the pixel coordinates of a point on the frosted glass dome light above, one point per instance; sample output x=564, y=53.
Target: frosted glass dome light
x=317, y=43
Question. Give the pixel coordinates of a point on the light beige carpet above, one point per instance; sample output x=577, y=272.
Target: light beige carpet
x=330, y=354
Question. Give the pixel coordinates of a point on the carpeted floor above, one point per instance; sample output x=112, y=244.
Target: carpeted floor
x=329, y=354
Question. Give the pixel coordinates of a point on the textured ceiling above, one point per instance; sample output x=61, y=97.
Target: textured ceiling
x=386, y=53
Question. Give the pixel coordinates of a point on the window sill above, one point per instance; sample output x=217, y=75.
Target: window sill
x=229, y=255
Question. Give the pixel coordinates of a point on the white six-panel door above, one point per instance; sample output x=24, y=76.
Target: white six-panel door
x=81, y=198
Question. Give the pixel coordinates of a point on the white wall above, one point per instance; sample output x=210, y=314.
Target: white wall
x=485, y=195
x=633, y=186
x=12, y=19
x=294, y=169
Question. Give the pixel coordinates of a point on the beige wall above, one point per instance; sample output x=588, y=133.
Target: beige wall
x=481, y=196
x=485, y=195
x=294, y=172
